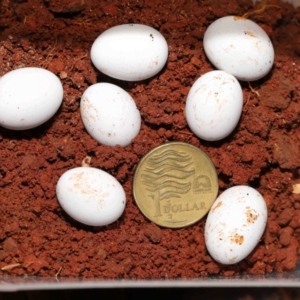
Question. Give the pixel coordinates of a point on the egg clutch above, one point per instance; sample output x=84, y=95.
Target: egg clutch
x=239, y=50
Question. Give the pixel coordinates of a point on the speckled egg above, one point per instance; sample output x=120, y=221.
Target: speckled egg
x=235, y=224
x=214, y=105
x=91, y=196
x=109, y=114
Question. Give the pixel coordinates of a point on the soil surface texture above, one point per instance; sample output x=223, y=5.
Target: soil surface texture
x=38, y=238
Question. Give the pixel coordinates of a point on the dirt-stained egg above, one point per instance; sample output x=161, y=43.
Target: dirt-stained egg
x=214, y=105
x=240, y=47
x=235, y=224
x=91, y=196
x=130, y=52
x=28, y=98
x=109, y=114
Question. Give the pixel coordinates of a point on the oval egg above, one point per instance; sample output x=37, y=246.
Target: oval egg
x=130, y=52
x=214, y=105
x=109, y=114
x=235, y=224
x=28, y=98
x=91, y=196
x=240, y=47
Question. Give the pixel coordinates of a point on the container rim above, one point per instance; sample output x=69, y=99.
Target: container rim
x=275, y=279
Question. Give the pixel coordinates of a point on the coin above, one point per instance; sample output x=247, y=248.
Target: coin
x=175, y=184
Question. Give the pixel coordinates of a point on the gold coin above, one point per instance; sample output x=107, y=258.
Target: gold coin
x=175, y=184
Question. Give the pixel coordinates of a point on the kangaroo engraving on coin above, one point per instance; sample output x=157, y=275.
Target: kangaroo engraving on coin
x=175, y=184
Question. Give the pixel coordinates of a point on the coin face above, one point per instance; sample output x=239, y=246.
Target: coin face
x=175, y=185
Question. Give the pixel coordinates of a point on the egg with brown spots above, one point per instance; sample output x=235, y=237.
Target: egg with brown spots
x=235, y=224
x=109, y=114
x=214, y=105
x=91, y=196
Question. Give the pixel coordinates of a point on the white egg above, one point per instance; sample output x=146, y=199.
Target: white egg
x=109, y=114
x=235, y=224
x=214, y=105
x=91, y=196
x=240, y=47
x=130, y=52
x=28, y=98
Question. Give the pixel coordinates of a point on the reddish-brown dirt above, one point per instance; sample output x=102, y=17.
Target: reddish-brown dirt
x=37, y=237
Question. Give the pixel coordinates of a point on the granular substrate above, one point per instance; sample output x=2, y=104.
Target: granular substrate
x=38, y=238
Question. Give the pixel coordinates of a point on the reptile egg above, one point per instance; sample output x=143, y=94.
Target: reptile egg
x=28, y=98
x=130, y=52
x=240, y=47
x=91, y=196
x=214, y=105
x=109, y=114
x=235, y=224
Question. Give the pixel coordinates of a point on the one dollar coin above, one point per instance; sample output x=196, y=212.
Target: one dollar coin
x=175, y=185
